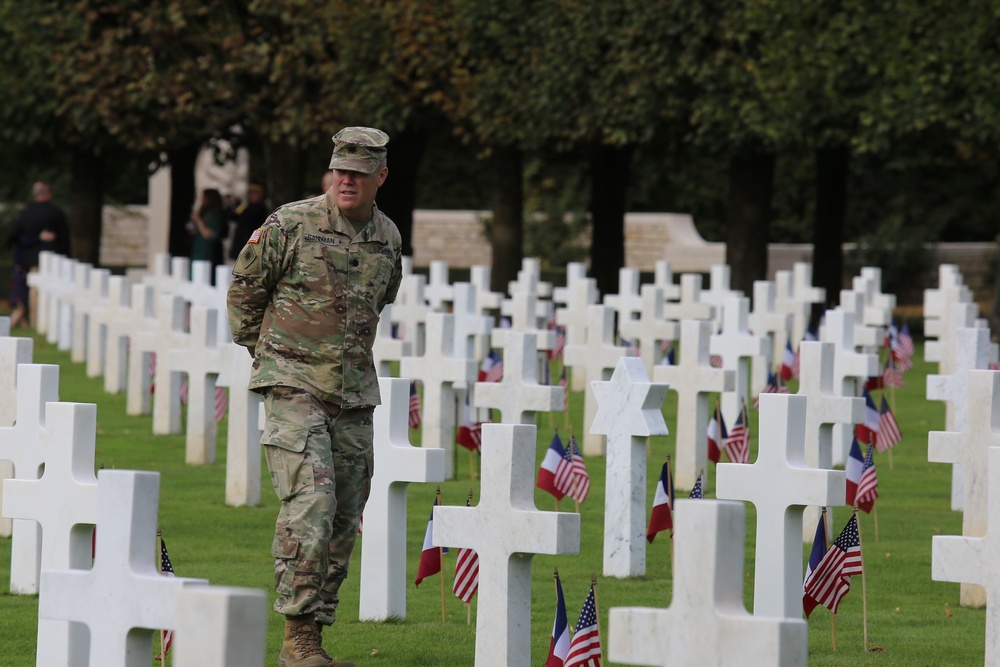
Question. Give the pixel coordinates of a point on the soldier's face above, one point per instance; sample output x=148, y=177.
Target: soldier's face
x=354, y=192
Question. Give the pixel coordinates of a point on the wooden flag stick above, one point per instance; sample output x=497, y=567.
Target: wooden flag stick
x=875, y=517
x=160, y=657
x=437, y=501
x=833, y=617
x=597, y=613
x=864, y=586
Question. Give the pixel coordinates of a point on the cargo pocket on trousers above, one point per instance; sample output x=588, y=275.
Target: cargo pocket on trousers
x=284, y=448
x=284, y=549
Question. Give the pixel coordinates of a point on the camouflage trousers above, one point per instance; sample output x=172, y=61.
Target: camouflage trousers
x=321, y=464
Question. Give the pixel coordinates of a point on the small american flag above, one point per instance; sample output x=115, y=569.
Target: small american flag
x=715, y=360
x=580, y=477
x=414, y=416
x=888, y=433
x=868, y=486
x=831, y=580
x=221, y=403
x=737, y=445
x=466, y=572
x=696, y=492
x=167, y=570
x=585, y=647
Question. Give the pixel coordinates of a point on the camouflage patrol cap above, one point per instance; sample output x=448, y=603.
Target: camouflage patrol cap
x=358, y=149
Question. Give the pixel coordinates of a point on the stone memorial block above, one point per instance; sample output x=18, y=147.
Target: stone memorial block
x=849, y=368
x=506, y=530
x=969, y=350
x=737, y=346
x=220, y=627
x=243, y=434
x=439, y=372
x=201, y=361
x=629, y=411
x=438, y=291
x=93, y=297
x=410, y=312
x=707, y=603
x=663, y=277
x=23, y=445
x=125, y=560
x=693, y=378
x=100, y=347
x=518, y=396
x=780, y=484
x=397, y=464
x=973, y=559
x=766, y=320
x=690, y=305
x=825, y=406
x=651, y=329
x=63, y=502
x=598, y=356
x=971, y=447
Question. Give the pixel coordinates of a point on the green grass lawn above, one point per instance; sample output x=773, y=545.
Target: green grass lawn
x=912, y=620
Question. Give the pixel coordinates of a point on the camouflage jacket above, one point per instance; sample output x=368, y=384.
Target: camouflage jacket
x=306, y=297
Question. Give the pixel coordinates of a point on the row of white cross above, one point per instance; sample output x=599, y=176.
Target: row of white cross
x=507, y=493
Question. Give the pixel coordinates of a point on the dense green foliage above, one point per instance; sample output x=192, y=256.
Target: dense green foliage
x=913, y=620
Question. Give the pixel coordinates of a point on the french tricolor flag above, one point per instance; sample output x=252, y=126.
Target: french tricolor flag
x=559, y=646
x=661, y=517
x=855, y=468
x=866, y=431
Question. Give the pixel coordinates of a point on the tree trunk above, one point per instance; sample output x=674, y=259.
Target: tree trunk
x=508, y=216
x=748, y=217
x=397, y=196
x=828, y=231
x=610, y=172
x=182, y=197
x=286, y=173
x=86, y=201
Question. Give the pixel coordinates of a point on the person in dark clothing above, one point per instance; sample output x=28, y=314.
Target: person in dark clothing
x=209, y=228
x=249, y=217
x=40, y=226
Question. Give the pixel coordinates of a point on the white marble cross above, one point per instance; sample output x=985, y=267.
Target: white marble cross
x=92, y=291
x=438, y=291
x=439, y=371
x=629, y=411
x=23, y=444
x=780, y=484
x=693, y=378
x=805, y=294
x=122, y=332
x=598, y=356
x=125, y=563
x=970, y=446
x=969, y=349
x=868, y=338
x=737, y=345
x=528, y=313
x=486, y=301
x=99, y=344
x=518, y=396
x=243, y=434
x=579, y=294
x=707, y=603
x=973, y=559
x=14, y=350
x=825, y=406
x=43, y=281
x=202, y=362
x=878, y=305
x=766, y=320
x=383, y=543
x=938, y=311
x=410, y=311
x=690, y=306
x=506, y=530
x=63, y=501
x=651, y=329
x=628, y=302
x=170, y=312
x=719, y=291
x=386, y=349
x=471, y=328
x=219, y=626
x=849, y=367
x=663, y=277
x=961, y=316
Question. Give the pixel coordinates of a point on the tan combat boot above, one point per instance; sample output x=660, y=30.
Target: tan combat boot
x=303, y=645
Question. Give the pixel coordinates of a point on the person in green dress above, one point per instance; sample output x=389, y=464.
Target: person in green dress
x=209, y=228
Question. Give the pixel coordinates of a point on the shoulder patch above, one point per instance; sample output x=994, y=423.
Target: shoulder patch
x=255, y=237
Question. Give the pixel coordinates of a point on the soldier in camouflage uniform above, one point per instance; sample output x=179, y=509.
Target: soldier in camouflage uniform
x=305, y=300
